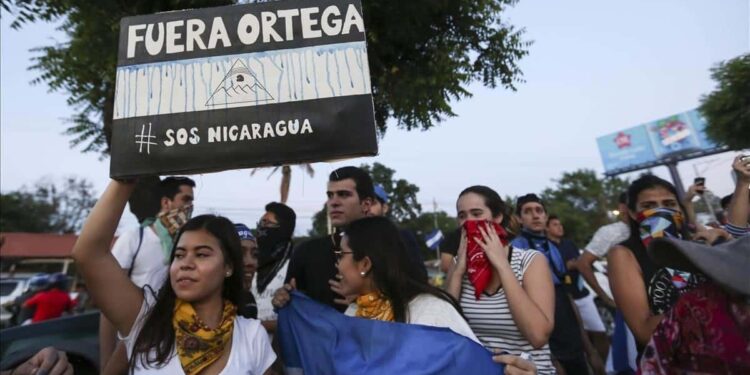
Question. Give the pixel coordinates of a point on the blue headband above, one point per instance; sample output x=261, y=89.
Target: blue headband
x=244, y=232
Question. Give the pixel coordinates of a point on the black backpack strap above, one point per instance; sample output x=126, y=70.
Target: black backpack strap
x=137, y=250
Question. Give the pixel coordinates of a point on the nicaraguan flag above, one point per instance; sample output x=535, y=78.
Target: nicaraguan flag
x=316, y=339
x=433, y=239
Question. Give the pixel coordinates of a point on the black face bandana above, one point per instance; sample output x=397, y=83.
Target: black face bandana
x=274, y=247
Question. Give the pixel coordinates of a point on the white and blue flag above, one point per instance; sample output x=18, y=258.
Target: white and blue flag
x=433, y=239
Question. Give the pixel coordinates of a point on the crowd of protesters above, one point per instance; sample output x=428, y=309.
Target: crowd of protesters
x=201, y=295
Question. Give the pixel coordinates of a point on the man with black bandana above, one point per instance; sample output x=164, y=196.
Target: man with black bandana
x=274, y=235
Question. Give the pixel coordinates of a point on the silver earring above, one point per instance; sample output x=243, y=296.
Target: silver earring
x=363, y=273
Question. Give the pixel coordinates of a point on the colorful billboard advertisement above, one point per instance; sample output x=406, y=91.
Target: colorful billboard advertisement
x=674, y=138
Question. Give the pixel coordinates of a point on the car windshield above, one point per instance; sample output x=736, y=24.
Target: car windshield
x=7, y=287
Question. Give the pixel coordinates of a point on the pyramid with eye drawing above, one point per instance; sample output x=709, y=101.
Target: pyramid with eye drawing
x=240, y=85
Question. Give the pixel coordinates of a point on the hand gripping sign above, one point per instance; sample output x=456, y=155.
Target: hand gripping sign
x=242, y=86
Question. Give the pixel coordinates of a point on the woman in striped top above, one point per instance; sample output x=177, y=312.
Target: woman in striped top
x=515, y=312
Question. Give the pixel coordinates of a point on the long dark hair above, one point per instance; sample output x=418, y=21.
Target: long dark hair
x=157, y=333
x=493, y=201
x=646, y=182
x=379, y=239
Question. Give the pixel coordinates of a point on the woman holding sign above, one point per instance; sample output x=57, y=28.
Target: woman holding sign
x=191, y=326
x=506, y=294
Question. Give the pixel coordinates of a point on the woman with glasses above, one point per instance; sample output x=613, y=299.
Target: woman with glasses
x=372, y=265
x=191, y=326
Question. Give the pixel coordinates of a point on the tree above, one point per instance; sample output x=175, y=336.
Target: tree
x=48, y=208
x=402, y=196
x=22, y=212
x=422, y=55
x=727, y=109
x=583, y=202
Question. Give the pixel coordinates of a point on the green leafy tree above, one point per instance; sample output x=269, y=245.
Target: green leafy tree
x=402, y=195
x=48, y=208
x=22, y=212
x=319, y=223
x=583, y=202
x=727, y=109
x=422, y=55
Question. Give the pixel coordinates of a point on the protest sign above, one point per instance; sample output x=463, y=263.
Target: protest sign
x=242, y=86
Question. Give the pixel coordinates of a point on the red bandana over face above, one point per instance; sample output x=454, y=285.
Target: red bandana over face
x=478, y=267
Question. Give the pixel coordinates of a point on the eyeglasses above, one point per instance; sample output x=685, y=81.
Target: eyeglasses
x=263, y=223
x=340, y=254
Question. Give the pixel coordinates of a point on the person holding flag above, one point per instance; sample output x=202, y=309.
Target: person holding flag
x=372, y=266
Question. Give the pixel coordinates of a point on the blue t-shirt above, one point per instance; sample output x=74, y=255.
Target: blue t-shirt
x=570, y=251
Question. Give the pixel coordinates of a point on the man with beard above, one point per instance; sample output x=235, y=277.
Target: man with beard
x=274, y=236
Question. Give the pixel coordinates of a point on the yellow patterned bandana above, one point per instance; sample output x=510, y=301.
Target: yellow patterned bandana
x=374, y=306
x=198, y=345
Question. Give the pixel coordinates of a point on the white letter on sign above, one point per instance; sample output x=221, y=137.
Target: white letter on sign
x=195, y=29
x=308, y=23
x=218, y=31
x=288, y=16
x=134, y=38
x=172, y=36
x=331, y=26
x=353, y=19
x=251, y=22
x=153, y=46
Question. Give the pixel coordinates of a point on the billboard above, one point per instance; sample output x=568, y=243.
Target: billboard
x=242, y=86
x=670, y=139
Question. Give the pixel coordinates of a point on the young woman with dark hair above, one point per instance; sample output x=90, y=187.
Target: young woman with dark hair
x=191, y=326
x=643, y=291
x=373, y=265
x=515, y=311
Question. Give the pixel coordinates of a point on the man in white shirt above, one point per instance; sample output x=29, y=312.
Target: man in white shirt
x=603, y=240
x=144, y=252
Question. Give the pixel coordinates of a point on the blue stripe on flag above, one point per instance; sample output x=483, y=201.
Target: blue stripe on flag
x=316, y=339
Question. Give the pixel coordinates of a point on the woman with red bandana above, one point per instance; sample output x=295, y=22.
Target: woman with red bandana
x=642, y=290
x=506, y=294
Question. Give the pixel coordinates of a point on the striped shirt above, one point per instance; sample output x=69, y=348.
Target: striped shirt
x=491, y=320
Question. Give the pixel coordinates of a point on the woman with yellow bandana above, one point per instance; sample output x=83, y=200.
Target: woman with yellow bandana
x=191, y=325
x=373, y=266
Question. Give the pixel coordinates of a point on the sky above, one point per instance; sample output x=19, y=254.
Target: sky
x=594, y=68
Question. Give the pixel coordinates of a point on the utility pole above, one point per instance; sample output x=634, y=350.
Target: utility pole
x=435, y=222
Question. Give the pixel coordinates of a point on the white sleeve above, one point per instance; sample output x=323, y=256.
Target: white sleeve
x=265, y=354
x=148, y=301
x=601, y=242
x=434, y=312
x=125, y=247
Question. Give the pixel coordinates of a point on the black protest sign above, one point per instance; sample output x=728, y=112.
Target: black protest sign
x=242, y=86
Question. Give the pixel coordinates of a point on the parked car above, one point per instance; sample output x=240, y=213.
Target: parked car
x=77, y=335
x=10, y=289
